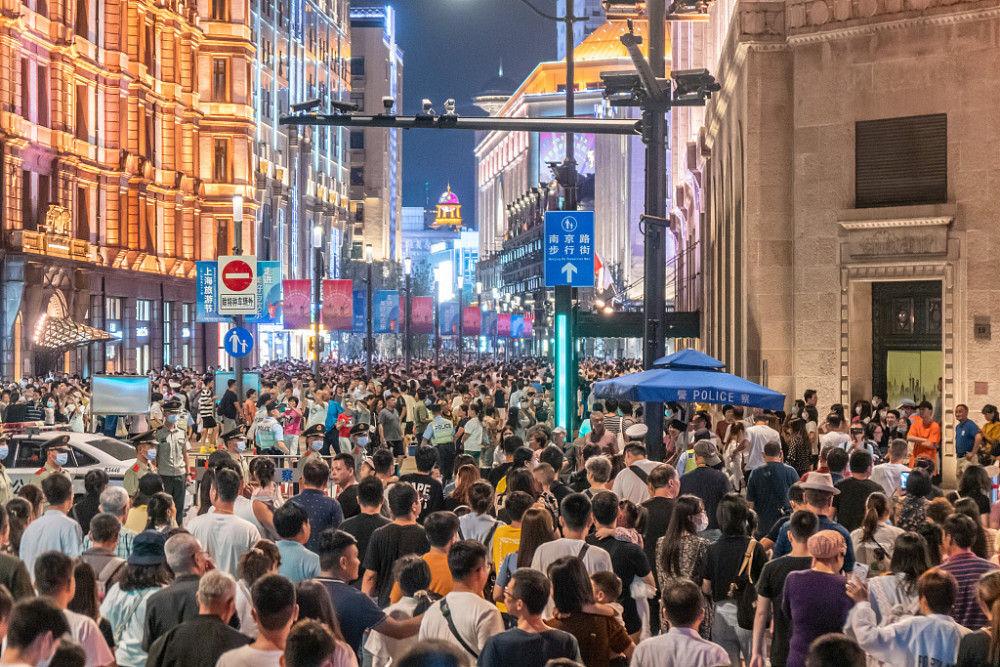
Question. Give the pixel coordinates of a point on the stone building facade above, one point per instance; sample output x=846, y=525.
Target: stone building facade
x=840, y=198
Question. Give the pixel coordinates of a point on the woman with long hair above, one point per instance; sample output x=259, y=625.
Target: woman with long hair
x=517, y=423
x=982, y=647
x=86, y=600
x=799, y=445
x=680, y=554
x=895, y=593
x=314, y=603
x=466, y=476
x=598, y=636
x=976, y=484
x=981, y=546
x=460, y=460
x=125, y=604
x=263, y=559
x=160, y=513
x=734, y=454
x=536, y=530
x=911, y=509
x=861, y=410
x=20, y=515
x=33, y=494
x=873, y=541
x=874, y=433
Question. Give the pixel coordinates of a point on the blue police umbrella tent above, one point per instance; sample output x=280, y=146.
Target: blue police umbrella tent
x=689, y=376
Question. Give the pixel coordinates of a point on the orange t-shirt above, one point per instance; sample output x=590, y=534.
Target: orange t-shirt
x=931, y=432
x=440, y=577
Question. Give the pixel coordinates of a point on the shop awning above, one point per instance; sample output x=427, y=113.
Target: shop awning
x=59, y=333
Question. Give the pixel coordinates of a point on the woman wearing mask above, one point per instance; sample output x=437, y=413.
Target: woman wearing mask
x=861, y=410
x=680, y=554
x=50, y=406
x=74, y=413
x=873, y=541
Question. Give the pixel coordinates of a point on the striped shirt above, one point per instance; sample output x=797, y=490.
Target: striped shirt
x=124, y=547
x=967, y=568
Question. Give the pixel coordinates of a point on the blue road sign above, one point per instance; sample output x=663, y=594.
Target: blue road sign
x=239, y=342
x=569, y=248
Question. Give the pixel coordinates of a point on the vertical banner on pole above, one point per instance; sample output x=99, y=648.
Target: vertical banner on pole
x=528, y=328
x=269, y=302
x=338, y=305
x=208, y=293
x=472, y=321
x=422, y=315
x=517, y=326
x=449, y=318
x=489, y=323
x=297, y=304
x=503, y=325
x=386, y=306
x=360, y=312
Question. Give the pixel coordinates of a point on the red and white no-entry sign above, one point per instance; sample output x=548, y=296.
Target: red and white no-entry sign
x=238, y=285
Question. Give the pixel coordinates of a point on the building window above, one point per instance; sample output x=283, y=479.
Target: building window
x=357, y=66
x=357, y=175
x=27, y=202
x=148, y=46
x=82, y=26
x=82, y=214
x=26, y=88
x=220, y=80
x=220, y=161
x=358, y=139
x=82, y=124
x=143, y=309
x=901, y=161
x=42, y=95
x=168, y=333
x=220, y=10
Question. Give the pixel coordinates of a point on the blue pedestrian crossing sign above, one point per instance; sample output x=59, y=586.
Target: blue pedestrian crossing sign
x=569, y=248
x=238, y=342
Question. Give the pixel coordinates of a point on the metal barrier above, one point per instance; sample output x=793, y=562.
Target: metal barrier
x=286, y=471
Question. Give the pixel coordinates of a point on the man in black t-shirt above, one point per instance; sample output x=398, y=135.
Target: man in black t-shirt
x=368, y=520
x=627, y=560
x=429, y=490
x=854, y=491
x=510, y=445
x=403, y=536
x=771, y=584
x=707, y=483
x=342, y=472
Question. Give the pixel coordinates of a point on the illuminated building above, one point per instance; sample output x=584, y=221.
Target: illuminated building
x=449, y=210
x=376, y=154
x=591, y=11
x=515, y=185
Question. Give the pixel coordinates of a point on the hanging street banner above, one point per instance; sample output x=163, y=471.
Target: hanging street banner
x=529, y=327
x=268, y=294
x=297, y=304
x=338, y=305
x=489, y=324
x=207, y=309
x=472, y=321
x=422, y=315
x=238, y=285
x=360, y=315
x=503, y=325
x=517, y=326
x=386, y=306
x=449, y=318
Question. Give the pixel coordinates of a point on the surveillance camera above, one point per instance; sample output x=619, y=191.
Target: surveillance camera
x=449, y=107
x=343, y=107
x=388, y=103
x=425, y=108
x=308, y=105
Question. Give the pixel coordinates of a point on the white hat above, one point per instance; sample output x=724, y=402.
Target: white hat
x=636, y=432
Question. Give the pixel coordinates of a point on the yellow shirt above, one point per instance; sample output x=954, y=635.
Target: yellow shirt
x=441, y=582
x=506, y=540
x=137, y=518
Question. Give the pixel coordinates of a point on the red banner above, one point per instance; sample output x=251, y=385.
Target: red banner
x=528, y=327
x=472, y=321
x=422, y=315
x=503, y=325
x=297, y=304
x=338, y=305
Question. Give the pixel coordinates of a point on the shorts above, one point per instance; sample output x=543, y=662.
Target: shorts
x=208, y=422
x=408, y=430
x=397, y=447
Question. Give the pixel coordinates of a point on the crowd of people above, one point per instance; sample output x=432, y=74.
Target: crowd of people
x=438, y=517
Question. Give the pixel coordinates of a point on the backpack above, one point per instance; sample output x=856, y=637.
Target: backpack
x=492, y=579
x=743, y=590
x=107, y=573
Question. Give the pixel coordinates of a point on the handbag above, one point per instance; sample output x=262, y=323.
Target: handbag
x=743, y=590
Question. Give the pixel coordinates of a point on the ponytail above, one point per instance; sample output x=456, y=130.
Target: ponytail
x=876, y=507
x=995, y=631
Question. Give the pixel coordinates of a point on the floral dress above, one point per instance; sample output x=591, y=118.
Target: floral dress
x=911, y=512
x=799, y=454
x=692, y=553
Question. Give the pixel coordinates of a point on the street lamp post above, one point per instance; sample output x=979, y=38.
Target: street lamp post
x=437, y=323
x=479, y=340
x=238, y=250
x=369, y=339
x=317, y=309
x=461, y=284
x=407, y=268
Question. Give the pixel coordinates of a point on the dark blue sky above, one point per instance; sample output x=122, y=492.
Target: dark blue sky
x=450, y=49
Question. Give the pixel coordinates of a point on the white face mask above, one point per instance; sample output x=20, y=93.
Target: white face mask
x=701, y=522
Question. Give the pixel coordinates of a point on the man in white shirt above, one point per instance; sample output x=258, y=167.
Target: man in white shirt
x=472, y=440
x=274, y=611
x=682, y=646
x=224, y=535
x=575, y=517
x=889, y=475
x=631, y=483
x=758, y=435
x=835, y=435
x=53, y=531
x=54, y=579
x=33, y=632
x=463, y=618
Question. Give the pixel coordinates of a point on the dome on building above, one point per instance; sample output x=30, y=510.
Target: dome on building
x=448, y=197
x=495, y=93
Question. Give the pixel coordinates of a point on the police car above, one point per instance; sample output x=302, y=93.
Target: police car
x=87, y=451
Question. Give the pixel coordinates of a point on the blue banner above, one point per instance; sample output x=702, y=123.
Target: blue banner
x=386, y=306
x=489, y=327
x=268, y=294
x=360, y=312
x=448, y=325
x=517, y=326
x=208, y=293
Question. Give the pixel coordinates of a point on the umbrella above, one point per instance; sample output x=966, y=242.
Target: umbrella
x=689, y=376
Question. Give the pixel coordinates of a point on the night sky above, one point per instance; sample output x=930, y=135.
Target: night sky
x=450, y=49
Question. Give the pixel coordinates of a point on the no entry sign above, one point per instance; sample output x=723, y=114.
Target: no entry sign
x=238, y=285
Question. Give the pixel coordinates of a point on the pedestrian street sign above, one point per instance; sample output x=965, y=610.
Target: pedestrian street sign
x=238, y=342
x=569, y=248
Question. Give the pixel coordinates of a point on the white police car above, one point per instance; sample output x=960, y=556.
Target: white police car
x=87, y=451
